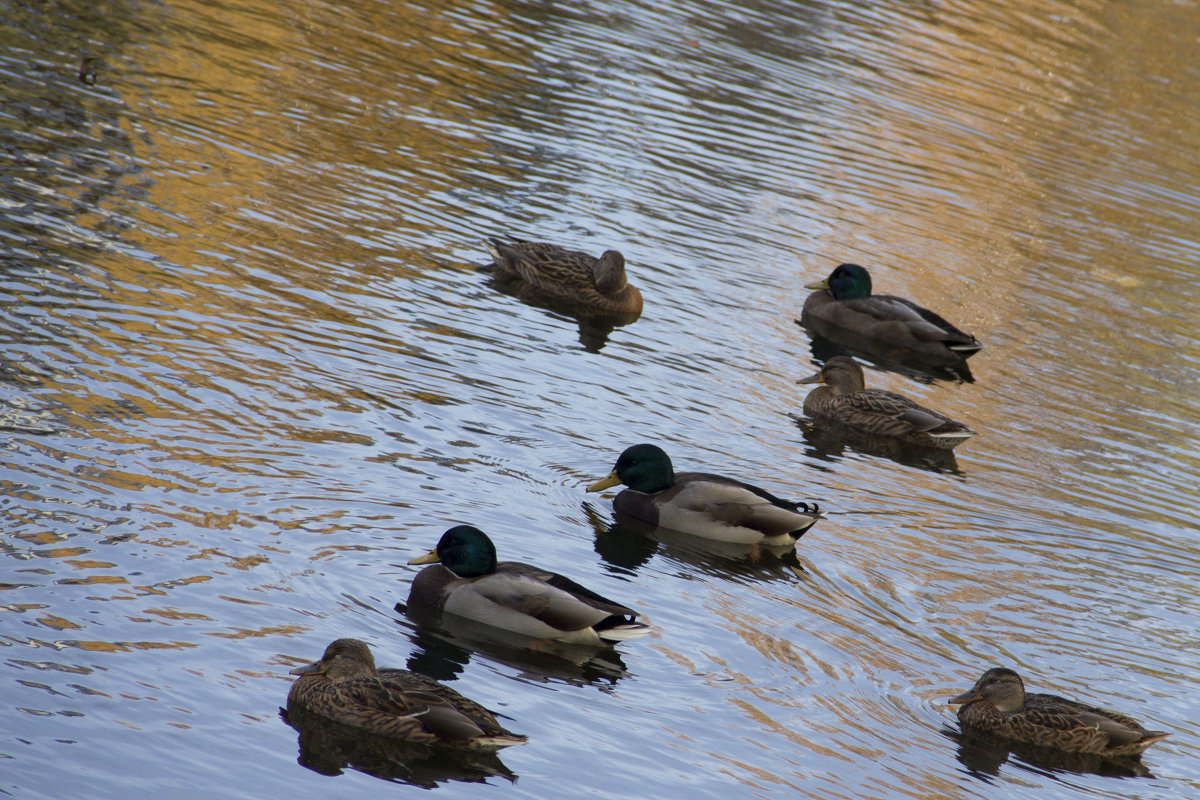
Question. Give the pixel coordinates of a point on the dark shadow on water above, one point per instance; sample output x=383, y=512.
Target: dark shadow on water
x=630, y=543
x=594, y=328
x=444, y=648
x=924, y=369
x=983, y=755
x=829, y=443
x=329, y=748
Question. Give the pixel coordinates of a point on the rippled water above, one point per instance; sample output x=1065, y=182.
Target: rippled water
x=250, y=369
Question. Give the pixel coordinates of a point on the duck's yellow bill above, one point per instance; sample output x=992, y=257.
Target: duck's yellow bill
x=821, y=284
x=610, y=480
x=429, y=558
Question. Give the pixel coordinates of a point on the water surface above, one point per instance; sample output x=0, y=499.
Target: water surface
x=250, y=369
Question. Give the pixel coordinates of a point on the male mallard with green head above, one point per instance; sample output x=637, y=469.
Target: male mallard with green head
x=468, y=582
x=702, y=504
x=844, y=302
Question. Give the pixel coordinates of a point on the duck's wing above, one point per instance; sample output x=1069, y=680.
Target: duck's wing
x=922, y=323
x=1052, y=703
x=449, y=725
x=551, y=598
x=1110, y=728
x=741, y=504
x=880, y=409
x=543, y=265
x=389, y=708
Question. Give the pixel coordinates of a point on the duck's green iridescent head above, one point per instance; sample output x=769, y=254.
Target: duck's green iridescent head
x=464, y=550
x=643, y=468
x=846, y=282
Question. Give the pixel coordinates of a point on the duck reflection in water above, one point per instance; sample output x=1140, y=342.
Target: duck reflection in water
x=390, y=723
x=444, y=650
x=827, y=443
x=630, y=543
x=884, y=359
x=984, y=754
x=329, y=748
x=595, y=292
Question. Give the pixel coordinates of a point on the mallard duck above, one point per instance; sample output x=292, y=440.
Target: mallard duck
x=468, y=583
x=711, y=506
x=998, y=705
x=843, y=305
x=845, y=401
x=574, y=277
x=345, y=687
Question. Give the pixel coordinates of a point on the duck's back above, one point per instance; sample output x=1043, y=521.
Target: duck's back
x=878, y=409
x=573, y=278
x=533, y=602
x=886, y=318
x=1037, y=703
x=479, y=716
x=543, y=265
x=717, y=507
x=405, y=706
x=384, y=707
x=1053, y=721
x=878, y=412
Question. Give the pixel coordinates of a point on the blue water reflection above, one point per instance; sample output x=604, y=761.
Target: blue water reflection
x=250, y=367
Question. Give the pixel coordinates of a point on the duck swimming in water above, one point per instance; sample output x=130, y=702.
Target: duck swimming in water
x=842, y=307
x=703, y=504
x=468, y=582
x=345, y=687
x=998, y=704
x=845, y=401
x=588, y=284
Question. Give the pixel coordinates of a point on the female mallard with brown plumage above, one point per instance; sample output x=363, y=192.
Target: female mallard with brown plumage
x=999, y=705
x=470, y=584
x=345, y=687
x=586, y=283
x=703, y=504
x=843, y=307
x=844, y=400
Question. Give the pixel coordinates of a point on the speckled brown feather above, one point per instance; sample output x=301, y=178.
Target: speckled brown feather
x=567, y=275
x=345, y=687
x=999, y=705
x=845, y=401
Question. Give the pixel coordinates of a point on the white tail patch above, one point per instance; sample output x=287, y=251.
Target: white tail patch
x=499, y=740
x=619, y=633
x=956, y=436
